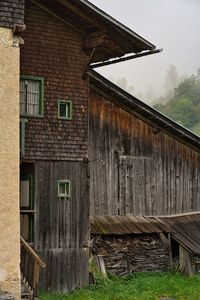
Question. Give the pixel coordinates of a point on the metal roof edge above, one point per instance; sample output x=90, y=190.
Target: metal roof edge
x=176, y=215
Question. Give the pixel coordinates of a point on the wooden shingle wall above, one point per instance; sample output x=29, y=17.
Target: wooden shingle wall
x=136, y=169
x=53, y=50
x=11, y=13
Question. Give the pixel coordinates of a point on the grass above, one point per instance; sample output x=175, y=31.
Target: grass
x=140, y=286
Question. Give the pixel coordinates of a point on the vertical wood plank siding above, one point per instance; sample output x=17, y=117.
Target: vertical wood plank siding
x=135, y=170
x=61, y=232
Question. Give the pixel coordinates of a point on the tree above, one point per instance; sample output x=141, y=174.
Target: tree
x=171, y=79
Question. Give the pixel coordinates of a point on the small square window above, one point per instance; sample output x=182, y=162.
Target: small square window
x=31, y=95
x=64, y=188
x=65, y=109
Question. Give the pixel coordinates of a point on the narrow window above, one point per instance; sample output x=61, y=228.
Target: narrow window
x=22, y=136
x=64, y=189
x=65, y=109
x=31, y=95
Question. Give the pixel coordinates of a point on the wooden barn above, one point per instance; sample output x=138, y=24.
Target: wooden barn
x=61, y=40
x=141, y=162
x=88, y=147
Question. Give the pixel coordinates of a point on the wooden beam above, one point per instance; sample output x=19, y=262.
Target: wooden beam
x=88, y=64
x=94, y=40
x=62, y=19
x=102, y=266
x=165, y=240
x=32, y=252
x=78, y=12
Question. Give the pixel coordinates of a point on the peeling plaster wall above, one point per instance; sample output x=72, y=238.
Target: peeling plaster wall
x=9, y=164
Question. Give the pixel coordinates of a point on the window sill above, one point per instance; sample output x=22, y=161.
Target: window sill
x=63, y=118
x=32, y=116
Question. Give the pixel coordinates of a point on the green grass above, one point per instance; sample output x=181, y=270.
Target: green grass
x=141, y=286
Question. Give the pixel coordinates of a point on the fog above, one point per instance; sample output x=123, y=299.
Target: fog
x=169, y=24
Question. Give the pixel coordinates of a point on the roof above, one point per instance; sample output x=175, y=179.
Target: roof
x=185, y=228
x=142, y=110
x=115, y=39
x=120, y=225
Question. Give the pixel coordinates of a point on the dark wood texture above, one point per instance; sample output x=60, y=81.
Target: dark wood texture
x=53, y=50
x=135, y=169
x=11, y=13
x=132, y=253
x=87, y=18
x=30, y=266
x=62, y=225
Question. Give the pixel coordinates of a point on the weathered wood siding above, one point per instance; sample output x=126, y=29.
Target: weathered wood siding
x=61, y=225
x=136, y=169
x=54, y=50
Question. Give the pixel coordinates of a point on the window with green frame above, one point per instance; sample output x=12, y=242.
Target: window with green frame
x=27, y=207
x=31, y=95
x=64, y=188
x=22, y=136
x=65, y=109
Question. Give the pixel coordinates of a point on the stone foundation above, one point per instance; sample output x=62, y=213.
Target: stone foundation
x=133, y=253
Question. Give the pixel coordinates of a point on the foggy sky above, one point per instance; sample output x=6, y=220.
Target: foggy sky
x=173, y=25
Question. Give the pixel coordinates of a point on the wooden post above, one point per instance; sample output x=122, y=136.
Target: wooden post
x=170, y=250
x=102, y=266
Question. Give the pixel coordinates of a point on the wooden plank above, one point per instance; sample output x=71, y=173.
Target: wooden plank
x=63, y=224
x=102, y=266
x=32, y=252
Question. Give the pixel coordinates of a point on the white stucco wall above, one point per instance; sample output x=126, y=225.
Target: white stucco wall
x=9, y=164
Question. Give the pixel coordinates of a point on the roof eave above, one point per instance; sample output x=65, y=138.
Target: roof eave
x=148, y=45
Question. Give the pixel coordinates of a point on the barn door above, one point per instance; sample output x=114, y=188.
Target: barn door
x=134, y=185
x=26, y=207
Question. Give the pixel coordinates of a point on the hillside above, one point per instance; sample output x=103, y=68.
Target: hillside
x=184, y=107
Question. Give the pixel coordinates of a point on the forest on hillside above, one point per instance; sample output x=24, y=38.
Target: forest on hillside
x=184, y=103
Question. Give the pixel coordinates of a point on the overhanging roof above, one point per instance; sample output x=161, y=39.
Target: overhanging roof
x=185, y=229
x=116, y=40
x=122, y=225
x=142, y=110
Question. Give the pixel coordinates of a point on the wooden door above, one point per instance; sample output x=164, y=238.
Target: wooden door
x=26, y=207
x=134, y=185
